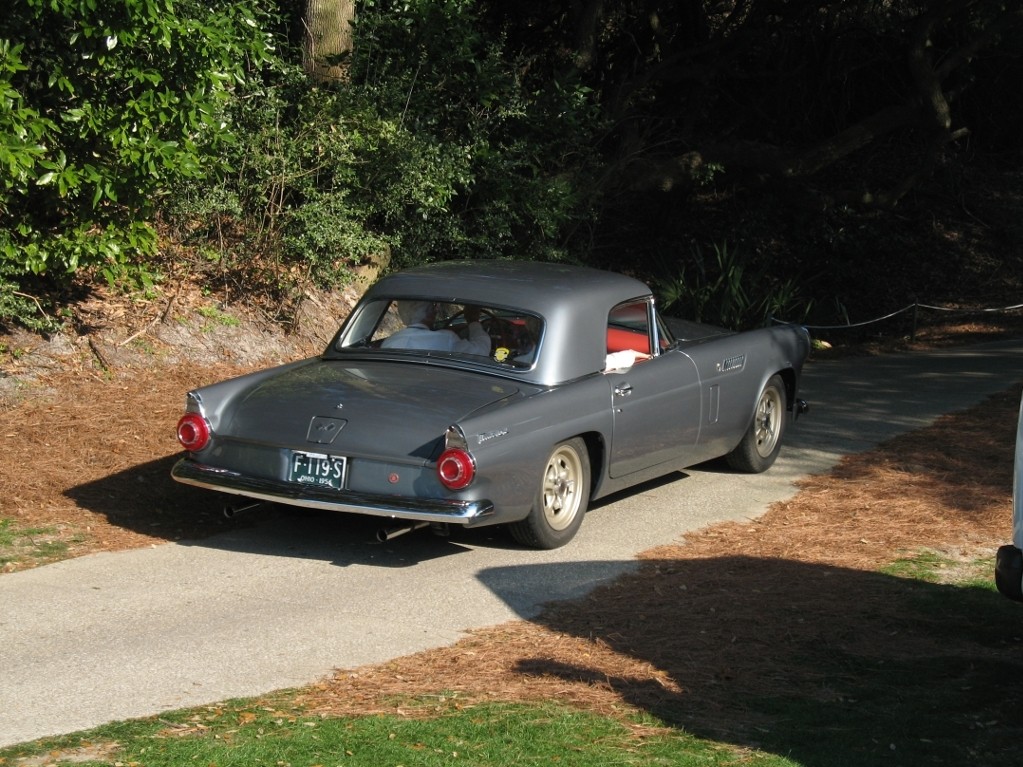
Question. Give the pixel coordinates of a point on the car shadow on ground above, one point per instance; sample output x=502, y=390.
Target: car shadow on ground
x=145, y=501
x=821, y=664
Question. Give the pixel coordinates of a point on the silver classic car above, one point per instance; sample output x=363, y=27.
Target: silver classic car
x=495, y=393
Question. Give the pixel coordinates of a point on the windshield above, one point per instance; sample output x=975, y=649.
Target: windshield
x=503, y=336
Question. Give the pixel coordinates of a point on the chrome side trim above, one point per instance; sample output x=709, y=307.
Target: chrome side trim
x=467, y=513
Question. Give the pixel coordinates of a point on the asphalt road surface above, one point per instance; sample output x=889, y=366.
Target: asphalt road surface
x=283, y=604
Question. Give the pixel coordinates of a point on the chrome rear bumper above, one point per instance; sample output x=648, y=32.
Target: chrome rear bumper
x=440, y=510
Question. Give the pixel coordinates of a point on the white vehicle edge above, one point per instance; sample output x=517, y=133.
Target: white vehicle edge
x=1009, y=562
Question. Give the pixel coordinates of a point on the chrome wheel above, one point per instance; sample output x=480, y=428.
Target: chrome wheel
x=761, y=443
x=561, y=491
x=562, y=495
x=767, y=422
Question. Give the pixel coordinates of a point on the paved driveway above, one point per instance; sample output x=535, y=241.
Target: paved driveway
x=122, y=635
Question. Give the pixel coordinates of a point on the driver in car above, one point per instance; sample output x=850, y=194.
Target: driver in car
x=418, y=318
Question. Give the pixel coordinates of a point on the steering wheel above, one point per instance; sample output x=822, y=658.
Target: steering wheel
x=487, y=317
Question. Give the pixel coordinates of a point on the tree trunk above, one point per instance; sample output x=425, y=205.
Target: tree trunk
x=328, y=38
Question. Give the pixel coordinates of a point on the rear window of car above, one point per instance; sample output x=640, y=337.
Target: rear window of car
x=498, y=335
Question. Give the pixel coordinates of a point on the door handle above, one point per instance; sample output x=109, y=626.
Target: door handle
x=623, y=390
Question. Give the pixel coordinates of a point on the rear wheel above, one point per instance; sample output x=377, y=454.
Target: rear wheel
x=761, y=443
x=561, y=499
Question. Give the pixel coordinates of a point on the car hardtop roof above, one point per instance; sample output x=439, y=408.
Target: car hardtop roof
x=532, y=285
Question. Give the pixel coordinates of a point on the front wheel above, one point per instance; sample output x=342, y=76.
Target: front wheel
x=761, y=443
x=561, y=499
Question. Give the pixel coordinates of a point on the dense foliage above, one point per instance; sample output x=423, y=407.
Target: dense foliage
x=104, y=107
x=745, y=156
x=429, y=149
x=820, y=146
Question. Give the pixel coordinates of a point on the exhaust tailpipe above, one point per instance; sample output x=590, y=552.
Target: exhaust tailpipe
x=231, y=510
x=390, y=533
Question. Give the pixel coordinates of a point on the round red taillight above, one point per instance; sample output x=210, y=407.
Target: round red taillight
x=193, y=432
x=456, y=469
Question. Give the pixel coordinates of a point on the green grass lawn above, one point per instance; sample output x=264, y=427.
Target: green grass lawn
x=240, y=734
x=892, y=710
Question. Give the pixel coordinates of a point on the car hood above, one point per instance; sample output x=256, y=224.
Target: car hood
x=386, y=409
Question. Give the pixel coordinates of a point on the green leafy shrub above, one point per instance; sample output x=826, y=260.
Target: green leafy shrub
x=516, y=154
x=104, y=108
x=729, y=290
x=288, y=199
x=432, y=149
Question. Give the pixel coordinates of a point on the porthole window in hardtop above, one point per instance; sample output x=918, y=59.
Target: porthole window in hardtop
x=628, y=327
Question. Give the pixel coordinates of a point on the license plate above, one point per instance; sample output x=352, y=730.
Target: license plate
x=318, y=469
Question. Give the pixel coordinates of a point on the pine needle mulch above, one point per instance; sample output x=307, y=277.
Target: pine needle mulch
x=88, y=464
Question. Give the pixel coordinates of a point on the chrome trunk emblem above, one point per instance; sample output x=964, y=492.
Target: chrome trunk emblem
x=323, y=430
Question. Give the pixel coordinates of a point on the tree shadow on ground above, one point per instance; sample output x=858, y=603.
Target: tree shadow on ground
x=824, y=665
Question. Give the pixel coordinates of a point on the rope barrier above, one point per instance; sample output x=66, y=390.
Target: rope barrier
x=970, y=311
x=914, y=307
